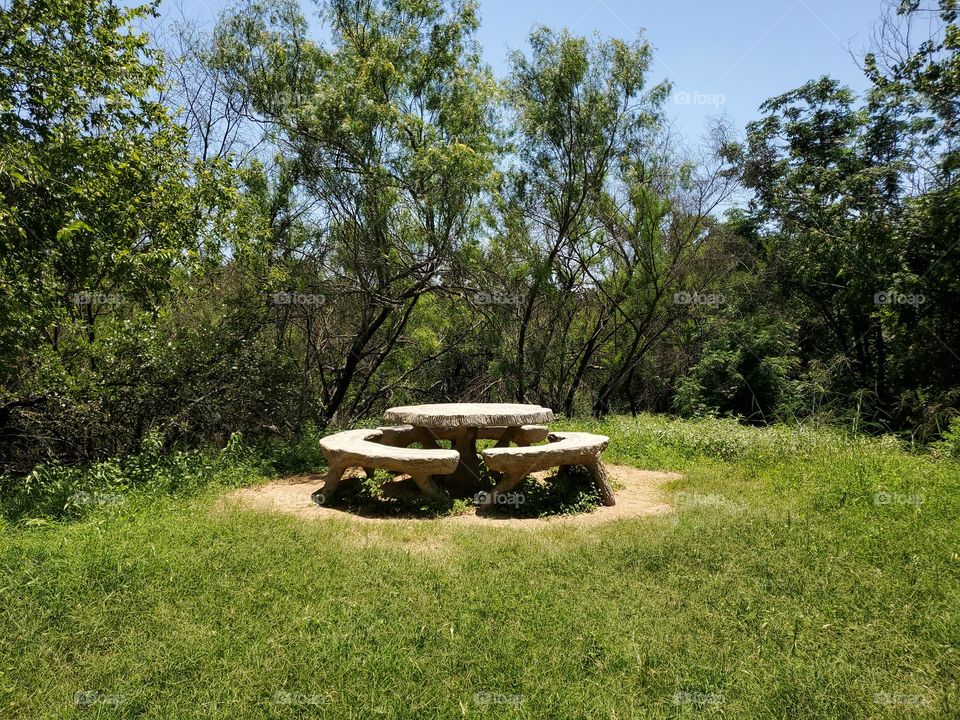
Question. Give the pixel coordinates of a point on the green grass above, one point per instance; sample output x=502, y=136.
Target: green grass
x=806, y=574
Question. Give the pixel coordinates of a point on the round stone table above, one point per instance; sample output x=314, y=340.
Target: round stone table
x=461, y=423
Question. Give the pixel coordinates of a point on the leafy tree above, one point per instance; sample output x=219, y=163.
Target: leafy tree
x=579, y=110
x=915, y=68
x=93, y=209
x=827, y=182
x=391, y=131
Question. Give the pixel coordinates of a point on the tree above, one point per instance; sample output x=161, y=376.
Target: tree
x=915, y=68
x=579, y=110
x=828, y=184
x=391, y=130
x=93, y=212
x=607, y=222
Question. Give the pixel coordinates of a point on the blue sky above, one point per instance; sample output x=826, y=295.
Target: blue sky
x=724, y=58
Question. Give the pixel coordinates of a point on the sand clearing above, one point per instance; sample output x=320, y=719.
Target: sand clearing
x=640, y=493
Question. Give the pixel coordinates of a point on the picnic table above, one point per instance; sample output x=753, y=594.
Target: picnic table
x=458, y=467
x=463, y=423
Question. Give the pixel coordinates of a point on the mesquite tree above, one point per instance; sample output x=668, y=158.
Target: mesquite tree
x=391, y=129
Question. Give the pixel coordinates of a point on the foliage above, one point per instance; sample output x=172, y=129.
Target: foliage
x=568, y=494
x=949, y=446
x=61, y=492
x=746, y=369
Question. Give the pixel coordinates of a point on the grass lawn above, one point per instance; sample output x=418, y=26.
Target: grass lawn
x=805, y=574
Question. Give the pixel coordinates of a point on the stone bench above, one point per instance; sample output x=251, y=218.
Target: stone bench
x=563, y=450
x=365, y=449
x=403, y=435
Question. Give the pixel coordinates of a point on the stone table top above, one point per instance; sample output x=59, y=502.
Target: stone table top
x=454, y=415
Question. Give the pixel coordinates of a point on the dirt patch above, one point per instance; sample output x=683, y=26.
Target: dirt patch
x=640, y=494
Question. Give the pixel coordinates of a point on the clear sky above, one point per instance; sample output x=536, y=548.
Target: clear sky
x=723, y=57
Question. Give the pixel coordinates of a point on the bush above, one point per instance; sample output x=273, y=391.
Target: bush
x=949, y=445
x=57, y=491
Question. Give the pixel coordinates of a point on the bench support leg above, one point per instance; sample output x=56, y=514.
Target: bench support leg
x=426, y=484
x=509, y=482
x=325, y=494
x=599, y=475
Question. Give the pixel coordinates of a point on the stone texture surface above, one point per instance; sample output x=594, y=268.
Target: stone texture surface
x=567, y=448
x=402, y=435
x=454, y=415
x=523, y=435
x=360, y=448
x=563, y=450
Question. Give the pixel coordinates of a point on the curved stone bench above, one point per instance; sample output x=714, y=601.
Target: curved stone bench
x=563, y=450
x=522, y=436
x=362, y=448
x=402, y=435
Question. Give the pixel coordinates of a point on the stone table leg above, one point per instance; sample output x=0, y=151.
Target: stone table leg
x=465, y=443
x=508, y=436
x=466, y=479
